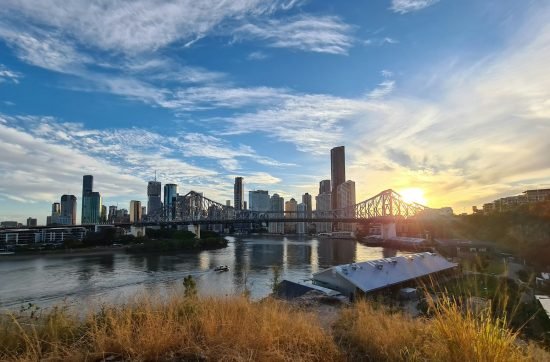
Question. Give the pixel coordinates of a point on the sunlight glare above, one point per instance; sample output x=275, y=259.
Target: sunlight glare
x=413, y=195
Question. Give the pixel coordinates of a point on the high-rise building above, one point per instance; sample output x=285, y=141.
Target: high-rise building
x=143, y=212
x=337, y=171
x=259, y=200
x=154, y=202
x=346, y=198
x=31, y=222
x=323, y=203
x=227, y=202
x=306, y=199
x=324, y=187
x=87, y=184
x=170, y=195
x=112, y=213
x=68, y=208
x=56, y=209
x=135, y=211
x=238, y=193
x=291, y=207
x=91, y=208
x=103, y=214
x=277, y=207
x=301, y=212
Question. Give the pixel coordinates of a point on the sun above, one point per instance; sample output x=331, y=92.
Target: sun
x=413, y=195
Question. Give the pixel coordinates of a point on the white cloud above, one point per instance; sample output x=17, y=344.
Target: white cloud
x=383, y=89
x=134, y=26
x=406, y=6
x=326, y=34
x=257, y=55
x=9, y=76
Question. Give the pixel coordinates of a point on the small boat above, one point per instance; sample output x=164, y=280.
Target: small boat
x=221, y=268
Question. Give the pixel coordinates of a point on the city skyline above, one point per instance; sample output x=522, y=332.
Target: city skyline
x=446, y=98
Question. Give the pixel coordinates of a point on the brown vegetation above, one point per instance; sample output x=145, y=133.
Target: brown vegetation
x=236, y=329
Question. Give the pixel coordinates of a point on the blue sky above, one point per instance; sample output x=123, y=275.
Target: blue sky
x=452, y=97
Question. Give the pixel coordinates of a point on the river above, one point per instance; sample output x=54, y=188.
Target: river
x=112, y=278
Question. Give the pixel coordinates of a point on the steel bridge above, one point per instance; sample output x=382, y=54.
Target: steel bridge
x=195, y=208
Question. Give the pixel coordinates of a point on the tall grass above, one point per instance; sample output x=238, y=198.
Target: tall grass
x=236, y=329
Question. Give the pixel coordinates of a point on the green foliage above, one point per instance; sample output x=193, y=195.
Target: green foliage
x=276, y=279
x=190, y=287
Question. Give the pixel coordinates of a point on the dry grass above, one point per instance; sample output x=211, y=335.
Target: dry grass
x=374, y=333
x=235, y=329
x=228, y=329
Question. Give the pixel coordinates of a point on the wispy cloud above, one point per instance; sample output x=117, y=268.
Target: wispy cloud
x=134, y=26
x=383, y=89
x=325, y=34
x=406, y=6
x=257, y=55
x=9, y=76
x=380, y=41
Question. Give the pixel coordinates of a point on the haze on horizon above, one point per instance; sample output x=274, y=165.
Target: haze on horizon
x=448, y=98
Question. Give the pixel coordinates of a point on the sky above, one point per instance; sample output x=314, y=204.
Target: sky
x=449, y=97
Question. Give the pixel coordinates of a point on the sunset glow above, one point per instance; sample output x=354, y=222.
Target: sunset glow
x=413, y=195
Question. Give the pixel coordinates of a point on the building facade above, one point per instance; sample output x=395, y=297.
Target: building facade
x=301, y=212
x=337, y=172
x=135, y=211
x=170, y=195
x=346, y=198
x=324, y=187
x=68, y=208
x=323, y=203
x=277, y=207
x=259, y=200
x=291, y=208
x=154, y=201
x=238, y=193
x=91, y=208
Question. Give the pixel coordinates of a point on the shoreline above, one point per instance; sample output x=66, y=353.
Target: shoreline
x=96, y=251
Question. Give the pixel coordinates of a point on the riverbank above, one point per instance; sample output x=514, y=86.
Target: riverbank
x=60, y=253
x=234, y=328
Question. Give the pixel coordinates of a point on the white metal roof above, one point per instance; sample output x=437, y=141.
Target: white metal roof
x=376, y=274
x=544, y=300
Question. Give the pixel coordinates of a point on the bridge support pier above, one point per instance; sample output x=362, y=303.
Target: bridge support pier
x=195, y=229
x=389, y=231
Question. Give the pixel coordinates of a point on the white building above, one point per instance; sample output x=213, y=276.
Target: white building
x=374, y=275
x=301, y=213
x=323, y=203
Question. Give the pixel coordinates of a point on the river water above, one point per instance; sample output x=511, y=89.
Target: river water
x=76, y=280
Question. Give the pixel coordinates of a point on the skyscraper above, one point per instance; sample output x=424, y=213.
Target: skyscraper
x=135, y=211
x=277, y=207
x=301, y=212
x=306, y=199
x=337, y=171
x=170, y=194
x=323, y=203
x=91, y=208
x=112, y=213
x=238, y=193
x=154, y=202
x=87, y=184
x=324, y=186
x=68, y=208
x=291, y=206
x=56, y=209
x=89, y=201
x=346, y=198
x=258, y=200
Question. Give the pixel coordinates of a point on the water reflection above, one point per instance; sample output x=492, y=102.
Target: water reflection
x=115, y=276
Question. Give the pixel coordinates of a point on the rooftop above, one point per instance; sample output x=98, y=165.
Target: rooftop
x=376, y=274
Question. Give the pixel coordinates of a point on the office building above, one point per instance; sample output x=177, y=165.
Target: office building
x=87, y=184
x=277, y=207
x=135, y=211
x=154, y=201
x=324, y=187
x=238, y=193
x=228, y=203
x=143, y=212
x=68, y=208
x=112, y=214
x=103, y=213
x=31, y=222
x=306, y=199
x=291, y=207
x=337, y=172
x=323, y=203
x=56, y=209
x=91, y=208
x=301, y=212
x=259, y=200
x=346, y=199
x=170, y=194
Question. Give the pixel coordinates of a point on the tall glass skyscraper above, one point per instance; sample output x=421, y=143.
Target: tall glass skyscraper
x=170, y=195
x=258, y=200
x=238, y=193
x=154, y=202
x=337, y=171
x=91, y=208
x=87, y=184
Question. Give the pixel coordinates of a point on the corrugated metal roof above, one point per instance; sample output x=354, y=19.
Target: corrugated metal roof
x=544, y=300
x=375, y=274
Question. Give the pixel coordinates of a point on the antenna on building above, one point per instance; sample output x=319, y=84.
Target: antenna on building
x=155, y=175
